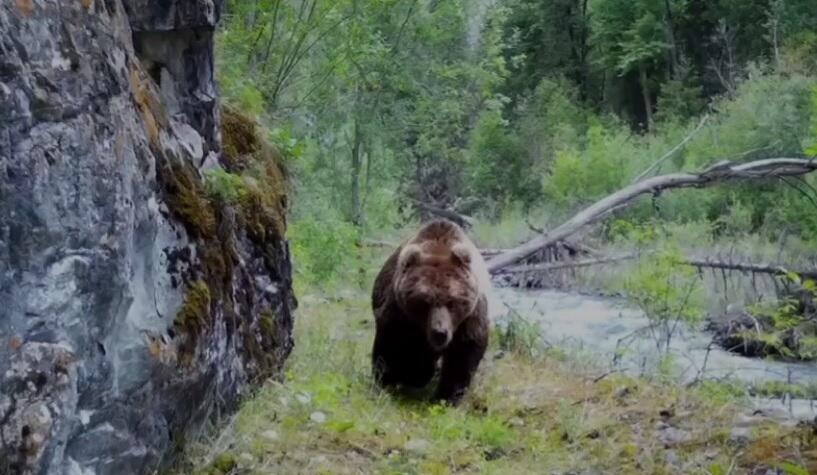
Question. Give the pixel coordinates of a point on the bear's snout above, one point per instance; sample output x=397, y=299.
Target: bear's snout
x=439, y=328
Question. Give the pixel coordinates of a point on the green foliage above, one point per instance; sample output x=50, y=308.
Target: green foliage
x=777, y=389
x=498, y=171
x=322, y=248
x=721, y=392
x=786, y=327
x=579, y=176
x=792, y=469
x=225, y=186
x=519, y=335
x=667, y=291
x=812, y=150
x=679, y=101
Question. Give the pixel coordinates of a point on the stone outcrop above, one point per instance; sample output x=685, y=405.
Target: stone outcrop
x=135, y=304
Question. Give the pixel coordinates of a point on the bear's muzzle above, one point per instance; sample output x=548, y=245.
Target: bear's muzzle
x=439, y=328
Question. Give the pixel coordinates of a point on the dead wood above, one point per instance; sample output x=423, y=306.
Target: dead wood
x=716, y=174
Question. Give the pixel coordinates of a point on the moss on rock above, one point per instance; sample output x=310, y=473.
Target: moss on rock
x=193, y=318
x=187, y=198
x=263, y=202
x=249, y=194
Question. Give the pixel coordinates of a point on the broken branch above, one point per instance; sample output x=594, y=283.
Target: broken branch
x=715, y=174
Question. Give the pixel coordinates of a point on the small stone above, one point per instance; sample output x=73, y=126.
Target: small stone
x=270, y=435
x=246, y=458
x=303, y=398
x=740, y=435
x=317, y=417
x=672, y=437
x=416, y=445
x=671, y=457
x=516, y=421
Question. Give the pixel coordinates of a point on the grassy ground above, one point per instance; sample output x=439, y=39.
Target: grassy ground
x=528, y=412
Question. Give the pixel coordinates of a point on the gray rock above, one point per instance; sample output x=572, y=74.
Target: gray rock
x=673, y=437
x=740, y=435
x=108, y=108
x=417, y=445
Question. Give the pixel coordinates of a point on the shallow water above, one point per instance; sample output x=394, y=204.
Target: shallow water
x=596, y=325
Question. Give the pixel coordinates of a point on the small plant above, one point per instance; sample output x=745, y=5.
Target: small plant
x=786, y=327
x=323, y=249
x=520, y=336
x=225, y=186
x=668, y=292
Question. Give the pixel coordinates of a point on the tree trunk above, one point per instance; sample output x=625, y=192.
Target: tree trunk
x=669, y=29
x=717, y=173
x=357, y=146
x=645, y=92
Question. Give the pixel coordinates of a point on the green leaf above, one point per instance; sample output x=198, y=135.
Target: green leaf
x=716, y=469
x=340, y=426
x=792, y=469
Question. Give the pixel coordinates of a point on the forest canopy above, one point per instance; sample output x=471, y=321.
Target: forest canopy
x=389, y=108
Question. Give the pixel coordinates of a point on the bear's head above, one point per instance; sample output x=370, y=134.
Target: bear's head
x=435, y=286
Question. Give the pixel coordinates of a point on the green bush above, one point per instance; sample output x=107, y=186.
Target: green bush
x=667, y=291
x=323, y=247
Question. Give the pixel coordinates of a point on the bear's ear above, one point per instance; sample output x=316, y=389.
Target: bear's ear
x=461, y=253
x=409, y=256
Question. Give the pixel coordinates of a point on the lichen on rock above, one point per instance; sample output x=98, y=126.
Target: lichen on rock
x=135, y=304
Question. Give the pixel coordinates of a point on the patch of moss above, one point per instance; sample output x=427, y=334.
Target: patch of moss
x=263, y=200
x=187, y=198
x=238, y=137
x=250, y=194
x=193, y=318
x=263, y=206
x=224, y=463
x=154, y=115
x=266, y=321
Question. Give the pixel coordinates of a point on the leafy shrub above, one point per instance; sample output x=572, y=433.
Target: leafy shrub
x=225, y=186
x=580, y=175
x=519, y=336
x=667, y=291
x=323, y=248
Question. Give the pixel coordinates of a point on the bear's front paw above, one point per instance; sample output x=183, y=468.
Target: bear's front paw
x=449, y=396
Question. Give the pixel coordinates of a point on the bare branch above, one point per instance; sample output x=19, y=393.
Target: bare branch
x=715, y=174
x=773, y=269
x=672, y=151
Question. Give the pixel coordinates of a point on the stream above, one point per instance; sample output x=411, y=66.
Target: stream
x=594, y=325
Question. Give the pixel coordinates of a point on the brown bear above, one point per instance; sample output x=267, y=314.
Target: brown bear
x=431, y=301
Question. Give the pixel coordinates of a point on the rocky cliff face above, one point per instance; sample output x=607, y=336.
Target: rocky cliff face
x=134, y=304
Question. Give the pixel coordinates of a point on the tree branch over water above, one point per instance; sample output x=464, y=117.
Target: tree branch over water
x=716, y=174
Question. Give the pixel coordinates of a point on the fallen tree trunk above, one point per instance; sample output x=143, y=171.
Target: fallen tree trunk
x=718, y=173
x=566, y=264
x=750, y=267
x=460, y=219
x=699, y=263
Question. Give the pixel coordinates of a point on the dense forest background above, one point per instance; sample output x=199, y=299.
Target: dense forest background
x=515, y=110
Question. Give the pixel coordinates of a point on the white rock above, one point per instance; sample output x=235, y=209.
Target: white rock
x=317, y=417
x=270, y=435
x=417, y=445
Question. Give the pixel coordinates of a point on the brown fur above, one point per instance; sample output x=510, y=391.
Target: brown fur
x=431, y=302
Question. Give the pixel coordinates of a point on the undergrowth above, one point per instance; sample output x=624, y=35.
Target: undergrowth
x=531, y=410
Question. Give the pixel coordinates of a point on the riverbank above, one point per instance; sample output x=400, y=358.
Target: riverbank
x=531, y=410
